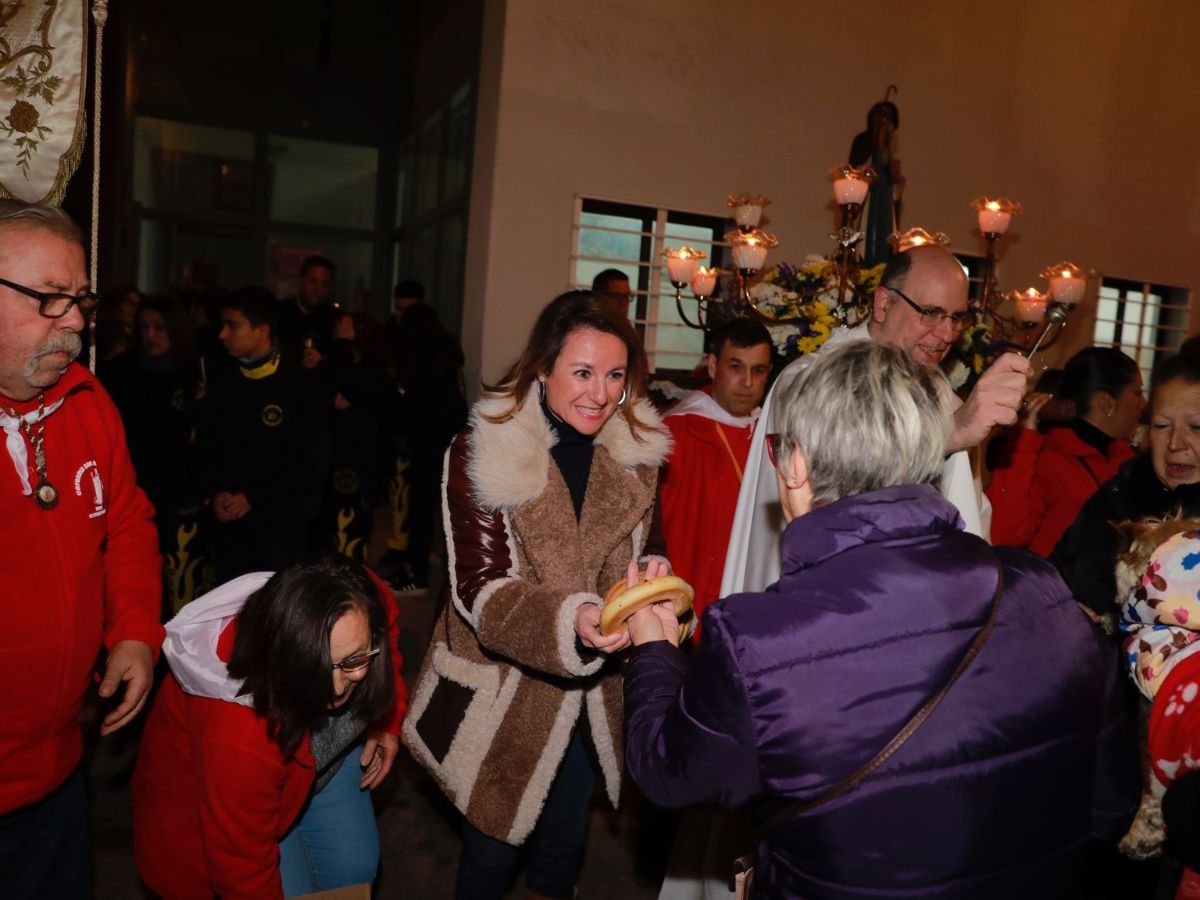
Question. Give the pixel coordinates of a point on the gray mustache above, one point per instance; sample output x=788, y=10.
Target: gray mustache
x=67, y=342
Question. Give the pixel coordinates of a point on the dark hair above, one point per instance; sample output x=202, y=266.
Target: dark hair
x=601, y=281
x=1048, y=382
x=257, y=304
x=896, y=270
x=282, y=647
x=409, y=288
x=1095, y=369
x=112, y=298
x=1190, y=347
x=863, y=146
x=741, y=332
x=425, y=349
x=564, y=315
x=179, y=328
x=1181, y=367
x=315, y=260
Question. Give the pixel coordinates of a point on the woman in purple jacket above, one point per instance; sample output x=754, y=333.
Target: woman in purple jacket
x=1000, y=793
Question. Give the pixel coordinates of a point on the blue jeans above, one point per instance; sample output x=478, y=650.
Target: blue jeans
x=44, y=846
x=555, y=846
x=334, y=843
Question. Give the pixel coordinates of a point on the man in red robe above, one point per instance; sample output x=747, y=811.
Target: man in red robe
x=701, y=479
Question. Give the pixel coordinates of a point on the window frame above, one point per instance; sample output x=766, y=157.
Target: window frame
x=648, y=294
x=1168, y=336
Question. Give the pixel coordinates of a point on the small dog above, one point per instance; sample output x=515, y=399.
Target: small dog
x=1146, y=600
x=1141, y=540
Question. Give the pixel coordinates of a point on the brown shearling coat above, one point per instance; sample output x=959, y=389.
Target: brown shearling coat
x=504, y=681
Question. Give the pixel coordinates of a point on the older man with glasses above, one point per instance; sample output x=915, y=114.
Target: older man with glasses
x=80, y=567
x=920, y=307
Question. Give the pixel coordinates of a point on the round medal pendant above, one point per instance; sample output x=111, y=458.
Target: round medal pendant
x=46, y=495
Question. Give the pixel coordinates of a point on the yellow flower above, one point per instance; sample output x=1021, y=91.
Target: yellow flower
x=820, y=329
x=977, y=362
x=807, y=344
x=817, y=269
x=869, y=278
x=820, y=310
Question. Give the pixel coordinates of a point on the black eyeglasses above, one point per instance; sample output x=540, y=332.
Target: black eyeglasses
x=55, y=306
x=932, y=316
x=356, y=663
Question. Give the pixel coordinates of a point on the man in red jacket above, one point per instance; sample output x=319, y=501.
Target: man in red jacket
x=80, y=564
x=711, y=430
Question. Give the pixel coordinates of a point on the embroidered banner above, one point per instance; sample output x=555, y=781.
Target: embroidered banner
x=43, y=76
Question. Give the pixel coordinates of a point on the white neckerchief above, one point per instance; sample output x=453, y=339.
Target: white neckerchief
x=14, y=441
x=702, y=403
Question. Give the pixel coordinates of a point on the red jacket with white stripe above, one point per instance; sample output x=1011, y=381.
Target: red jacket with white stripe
x=82, y=575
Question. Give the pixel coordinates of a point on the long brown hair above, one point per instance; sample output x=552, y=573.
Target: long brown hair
x=281, y=650
x=564, y=315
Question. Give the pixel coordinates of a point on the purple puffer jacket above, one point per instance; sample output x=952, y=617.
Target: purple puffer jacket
x=1028, y=759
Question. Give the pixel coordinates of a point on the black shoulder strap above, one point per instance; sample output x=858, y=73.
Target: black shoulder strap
x=858, y=776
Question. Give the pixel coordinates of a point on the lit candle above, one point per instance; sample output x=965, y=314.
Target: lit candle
x=747, y=210
x=747, y=216
x=749, y=255
x=1067, y=287
x=1031, y=305
x=992, y=219
x=704, y=282
x=682, y=264
x=995, y=215
x=916, y=237
x=849, y=190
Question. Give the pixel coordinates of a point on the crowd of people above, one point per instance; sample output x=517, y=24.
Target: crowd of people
x=262, y=429
x=897, y=706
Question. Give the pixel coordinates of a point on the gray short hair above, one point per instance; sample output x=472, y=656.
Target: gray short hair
x=19, y=214
x=865, y=416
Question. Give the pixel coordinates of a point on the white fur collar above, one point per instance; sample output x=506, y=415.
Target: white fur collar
x=507, y=461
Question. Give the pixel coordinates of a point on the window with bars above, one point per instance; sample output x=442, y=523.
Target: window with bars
x=973, y=267
x=1146, y=321
x=631, y=238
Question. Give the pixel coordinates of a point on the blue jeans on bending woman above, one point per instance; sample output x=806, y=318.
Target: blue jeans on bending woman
x=555, y=846
x=334, y=843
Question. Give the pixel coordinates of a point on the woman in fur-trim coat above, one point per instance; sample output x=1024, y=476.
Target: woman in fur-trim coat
x=548, y=495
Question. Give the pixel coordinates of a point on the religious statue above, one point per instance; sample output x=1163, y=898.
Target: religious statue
x=878, y=147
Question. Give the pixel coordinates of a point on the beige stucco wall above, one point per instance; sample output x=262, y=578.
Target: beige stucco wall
x=1088, y=113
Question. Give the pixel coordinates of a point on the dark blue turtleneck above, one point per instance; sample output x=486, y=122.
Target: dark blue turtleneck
x=573, y=455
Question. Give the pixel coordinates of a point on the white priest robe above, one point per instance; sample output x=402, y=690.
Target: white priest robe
x=752, y=561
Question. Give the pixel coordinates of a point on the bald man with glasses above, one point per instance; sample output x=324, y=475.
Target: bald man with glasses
x=921, y=307
x=80, y=566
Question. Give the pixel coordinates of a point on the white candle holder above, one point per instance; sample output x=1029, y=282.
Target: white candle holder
x=747, y=210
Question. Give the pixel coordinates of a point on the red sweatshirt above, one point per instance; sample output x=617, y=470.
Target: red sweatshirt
x=213, y=793
x=72, y=578
x=1041, y=484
